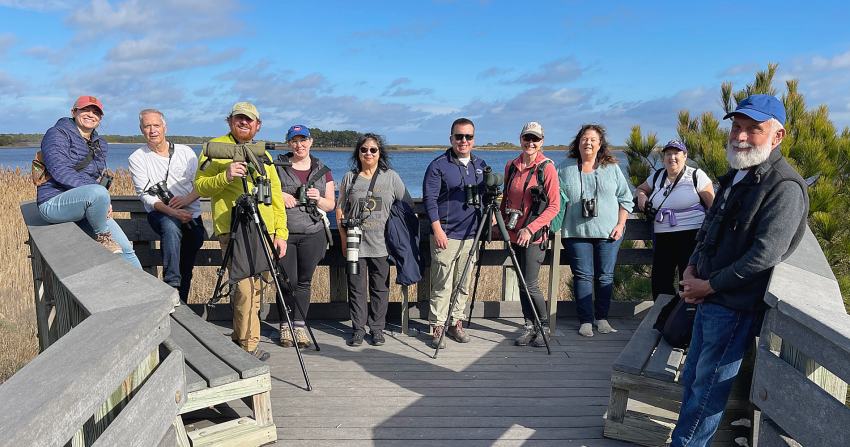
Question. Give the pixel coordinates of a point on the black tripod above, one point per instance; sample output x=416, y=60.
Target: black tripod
x=246, y=212
x=491, y=211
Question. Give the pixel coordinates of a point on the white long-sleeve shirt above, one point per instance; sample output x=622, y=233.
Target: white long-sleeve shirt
x=148, y=168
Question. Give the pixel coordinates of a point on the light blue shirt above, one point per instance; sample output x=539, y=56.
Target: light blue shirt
x=607, y=184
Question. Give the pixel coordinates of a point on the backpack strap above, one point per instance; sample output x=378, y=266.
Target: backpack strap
x=655, y=179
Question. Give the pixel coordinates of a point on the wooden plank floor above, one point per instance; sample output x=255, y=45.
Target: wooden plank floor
x=484, y=393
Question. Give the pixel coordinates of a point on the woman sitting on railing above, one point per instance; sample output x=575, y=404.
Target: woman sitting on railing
x=594, y=222
x=675, y=202
x=527, y=207
x=366, y=195
x=75, y=157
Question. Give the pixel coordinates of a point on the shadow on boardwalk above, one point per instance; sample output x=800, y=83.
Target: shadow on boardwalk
x=484, y=393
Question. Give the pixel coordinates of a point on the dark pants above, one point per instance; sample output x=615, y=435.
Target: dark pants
x=671, y=250
x=179, y=245
x=592, y=262
x=378, y=270
x=303, y=253
x=530, y=259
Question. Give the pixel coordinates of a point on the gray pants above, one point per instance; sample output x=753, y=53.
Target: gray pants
x=446, y=268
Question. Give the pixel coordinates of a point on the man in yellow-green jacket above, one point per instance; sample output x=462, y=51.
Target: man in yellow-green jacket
x=220, y=182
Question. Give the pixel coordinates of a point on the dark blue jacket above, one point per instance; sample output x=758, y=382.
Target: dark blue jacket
x=402, y=235
x=63, y=147
x=444, y=196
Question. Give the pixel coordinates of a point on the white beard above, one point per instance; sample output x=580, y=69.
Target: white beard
x=747, y=159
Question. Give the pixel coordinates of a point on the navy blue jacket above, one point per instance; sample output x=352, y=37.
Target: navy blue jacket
x=402, y=235
x=63, y=147
x=444, y=196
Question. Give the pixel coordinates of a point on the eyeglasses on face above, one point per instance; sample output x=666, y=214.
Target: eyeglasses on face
x=373, y=150
x=529, y=137
x=461, y=136
x=295, y=142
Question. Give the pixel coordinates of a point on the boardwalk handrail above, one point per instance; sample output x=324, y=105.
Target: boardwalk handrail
x=99, y=341
x=803, y=356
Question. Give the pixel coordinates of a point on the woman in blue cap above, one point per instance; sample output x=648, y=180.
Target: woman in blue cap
x=675, y=200
x=308, y=193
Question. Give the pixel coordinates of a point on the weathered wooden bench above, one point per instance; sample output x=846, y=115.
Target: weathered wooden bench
x=649, y=369
x=218, y=371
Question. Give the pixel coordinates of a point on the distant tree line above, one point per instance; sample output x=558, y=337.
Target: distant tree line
x=335, y=138
x=19, y=138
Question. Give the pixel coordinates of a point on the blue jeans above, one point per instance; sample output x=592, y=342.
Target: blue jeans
x=179, y=245
x=592, y=262
x=88, y=206
x=721, y=338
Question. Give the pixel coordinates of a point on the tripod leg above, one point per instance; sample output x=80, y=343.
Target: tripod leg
x=484, y=221
x=475, y=287
x=228, y=253
x=521, y=278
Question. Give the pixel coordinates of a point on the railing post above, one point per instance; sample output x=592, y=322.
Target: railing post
x=554, y=282
x=338, y=284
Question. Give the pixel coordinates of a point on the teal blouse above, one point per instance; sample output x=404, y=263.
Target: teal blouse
x=607, y=184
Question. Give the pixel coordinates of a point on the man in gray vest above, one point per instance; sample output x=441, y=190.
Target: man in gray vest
x=757, y=220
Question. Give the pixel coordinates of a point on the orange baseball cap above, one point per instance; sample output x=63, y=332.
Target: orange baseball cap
x=84, y=101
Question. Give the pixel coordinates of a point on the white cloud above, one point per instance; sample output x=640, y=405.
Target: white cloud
x=399, y=81
x=38, y=5
x=559, y=71
x=10, y=85
x=7, y=41
x=416, y=29
x=747, y=68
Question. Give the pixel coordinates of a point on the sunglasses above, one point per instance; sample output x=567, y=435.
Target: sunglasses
x=529, y=137
x=373, y=150
x=461, y=136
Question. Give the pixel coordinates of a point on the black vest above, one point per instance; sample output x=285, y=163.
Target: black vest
x=298, y=219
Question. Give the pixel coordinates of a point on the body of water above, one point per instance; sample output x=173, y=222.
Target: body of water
x=409, y=165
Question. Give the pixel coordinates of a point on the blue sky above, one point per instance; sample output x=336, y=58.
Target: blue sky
x=407, y=69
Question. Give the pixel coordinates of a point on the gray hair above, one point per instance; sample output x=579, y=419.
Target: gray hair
x=775, y=125
x=147, y=111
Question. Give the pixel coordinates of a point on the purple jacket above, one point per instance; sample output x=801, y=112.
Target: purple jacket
x=444, y=196
x=63, y=147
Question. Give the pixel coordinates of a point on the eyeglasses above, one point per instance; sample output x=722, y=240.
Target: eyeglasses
x=299, y=142
x=529, y=137
x=373, y=150
x=461, y=136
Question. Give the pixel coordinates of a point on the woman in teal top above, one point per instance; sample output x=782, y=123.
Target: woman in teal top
x=599, y=203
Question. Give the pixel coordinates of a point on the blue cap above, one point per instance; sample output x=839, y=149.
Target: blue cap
x=675, y=144
x=761, y=108
x=297, y=130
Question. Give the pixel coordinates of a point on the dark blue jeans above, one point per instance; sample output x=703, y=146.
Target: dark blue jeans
x=592, y=262
x=179, y=246
x=721, y=338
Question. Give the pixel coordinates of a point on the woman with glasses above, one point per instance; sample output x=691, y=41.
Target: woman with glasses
x=594, y=222
x=308, y=193
x=675, y=199
x=528, y=206
x=75, y=157
x=366, y=194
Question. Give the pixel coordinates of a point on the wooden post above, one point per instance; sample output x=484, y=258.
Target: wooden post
x=814, y=371
x=338, y=284
x=405, y=312
x=152, y=269
x=554, y=281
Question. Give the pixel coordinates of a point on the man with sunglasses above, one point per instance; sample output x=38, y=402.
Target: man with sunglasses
x=453, y=223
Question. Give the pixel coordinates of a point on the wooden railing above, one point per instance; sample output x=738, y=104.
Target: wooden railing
x=803, y=355
x=99, y=379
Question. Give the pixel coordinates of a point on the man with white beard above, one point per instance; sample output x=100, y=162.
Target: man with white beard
x=757, y=220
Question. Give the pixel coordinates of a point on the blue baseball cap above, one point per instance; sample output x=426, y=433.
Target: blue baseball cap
x=675, y=144
x=298, y=130
x=760, y=108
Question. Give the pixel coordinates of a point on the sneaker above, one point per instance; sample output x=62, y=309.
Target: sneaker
x=286, y=336
x=603, y=326
x=586, y=330
x=356, y=339
x=260, y=354
x=456, y=331
x=106, y=240
x=539, y=341
x=527, y=336
x=378, y=338
x=435, y=342
x=301, y=337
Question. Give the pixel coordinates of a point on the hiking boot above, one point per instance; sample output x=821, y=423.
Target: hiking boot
x=527, y=336
x=435, y=342
x=539, y=341
x=106, y=240
x=456, y=331
x=378, y=338
x=301, y=337
x=286, y=336
x=260, y=354
x=356, y=339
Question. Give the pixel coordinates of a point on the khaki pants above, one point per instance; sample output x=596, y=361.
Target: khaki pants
x=446, y=268
x=246, y=306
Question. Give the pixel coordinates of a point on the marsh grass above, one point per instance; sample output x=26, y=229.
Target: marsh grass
x=18, y=331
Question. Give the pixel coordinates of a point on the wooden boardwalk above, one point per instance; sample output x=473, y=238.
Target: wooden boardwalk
x=484, y=393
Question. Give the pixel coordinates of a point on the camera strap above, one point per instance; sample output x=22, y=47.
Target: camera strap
x=369, y=192
x=170, y=156
x=581, y=180
x=669, y=191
